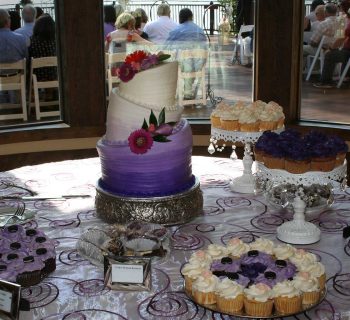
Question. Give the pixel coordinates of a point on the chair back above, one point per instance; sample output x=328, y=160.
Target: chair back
x=44, y=62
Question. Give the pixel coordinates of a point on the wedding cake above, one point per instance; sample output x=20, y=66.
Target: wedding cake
x=146, y=151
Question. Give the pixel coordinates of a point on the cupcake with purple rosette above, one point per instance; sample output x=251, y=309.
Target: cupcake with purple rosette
x=283, y=269
x=14, y=260
x=255, y=256
x=7, y=273
x=31, y=272
x=260, y=147
x=274, y=155
x=239, y=278
x=220, y=267
x=236, y=248
x=48, y=256
x=229, y=296
x=290, y=135
x=341, y=149
x=297, y=157
x=268, y=277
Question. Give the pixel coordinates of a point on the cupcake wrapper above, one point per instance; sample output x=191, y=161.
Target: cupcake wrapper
x=310, y=297
x=322, y=281
x=231, y=125
x=188, y=284
x=27, y=279
x=285, y=305
x=258, y=309
x=267, y=125
x=215, y=121
x=230, y=305
x=249, y=127
x=50, y=266
x=204, y=297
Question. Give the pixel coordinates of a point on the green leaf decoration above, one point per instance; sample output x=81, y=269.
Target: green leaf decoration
x=163, y=57
x=161, y=138
x=153, y=119
x=161, y=118
x=144, y=125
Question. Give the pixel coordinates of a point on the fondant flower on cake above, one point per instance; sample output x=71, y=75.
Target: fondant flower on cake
x=140, y=141
x=157, y=130
x=136, y=62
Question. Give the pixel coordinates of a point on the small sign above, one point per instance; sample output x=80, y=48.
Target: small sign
x=10, y=295
x=127, y=273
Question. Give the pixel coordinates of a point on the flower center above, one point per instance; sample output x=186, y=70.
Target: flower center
x=140, y=141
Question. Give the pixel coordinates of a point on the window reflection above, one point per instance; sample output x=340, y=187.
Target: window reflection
x=229, y=58
x=28, y=64
x=325, y=87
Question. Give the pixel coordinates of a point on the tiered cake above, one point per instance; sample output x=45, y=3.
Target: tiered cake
x=146, y=153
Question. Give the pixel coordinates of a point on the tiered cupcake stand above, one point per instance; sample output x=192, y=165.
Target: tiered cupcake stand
x=247, y=182
x=299, y=231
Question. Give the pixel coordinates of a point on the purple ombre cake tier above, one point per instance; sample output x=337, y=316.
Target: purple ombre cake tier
x=163, y=170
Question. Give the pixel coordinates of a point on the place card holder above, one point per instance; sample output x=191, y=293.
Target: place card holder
x=10, y=296
x=127, y=273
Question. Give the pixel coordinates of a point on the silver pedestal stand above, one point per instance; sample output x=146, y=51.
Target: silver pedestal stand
x=246, y=183
x=299, y=231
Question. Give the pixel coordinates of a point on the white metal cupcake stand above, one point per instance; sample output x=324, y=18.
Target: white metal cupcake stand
x=297, y=231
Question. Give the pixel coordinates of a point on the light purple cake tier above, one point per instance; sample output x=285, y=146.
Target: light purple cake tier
x=165, y=169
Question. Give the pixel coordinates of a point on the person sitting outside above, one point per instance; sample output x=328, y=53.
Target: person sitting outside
x=326, y=28
x=311, y=17
x=188, y=35
x=110, y=18
x=28, y=16
x=138, y=15
x=320, y=16
x=335, y=56
x=158, y=31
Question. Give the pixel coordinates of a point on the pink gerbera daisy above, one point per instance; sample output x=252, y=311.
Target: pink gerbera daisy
x=140, y=141
x=126, y=72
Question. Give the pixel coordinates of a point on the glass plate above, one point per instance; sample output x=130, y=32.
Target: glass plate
x=28, y=215
x=305, y=307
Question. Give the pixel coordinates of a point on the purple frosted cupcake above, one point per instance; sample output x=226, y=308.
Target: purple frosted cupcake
x=255, y=256
x=6, y=273
x=48, y=257
x=239, y=278
x=13, y=232
x=32, y=234
x=31, y=272
x=283, y=269
x=268, y=277
x=218, y=267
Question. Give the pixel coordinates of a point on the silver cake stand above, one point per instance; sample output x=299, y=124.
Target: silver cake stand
x=168, y=210
x=298, y=230
x=246, y=183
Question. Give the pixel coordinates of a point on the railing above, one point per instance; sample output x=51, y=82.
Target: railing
x=47, y=7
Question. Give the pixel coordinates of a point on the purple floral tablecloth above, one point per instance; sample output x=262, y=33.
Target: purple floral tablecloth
x=76, y=289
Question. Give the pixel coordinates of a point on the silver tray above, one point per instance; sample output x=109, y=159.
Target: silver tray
x=304, y=308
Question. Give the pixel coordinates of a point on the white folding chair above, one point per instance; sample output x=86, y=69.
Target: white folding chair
x=239, y=42
x=319, y=55
x=113, y=58
x=199, y=76
x=37, y=63
x=342, y=76
x=16, y=82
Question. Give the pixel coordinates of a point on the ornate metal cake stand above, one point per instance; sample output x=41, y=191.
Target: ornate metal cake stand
x=168, y=210
x=299, y=231
x=246, y=183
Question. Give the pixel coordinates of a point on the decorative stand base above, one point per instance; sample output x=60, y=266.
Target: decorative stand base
x=298, y=231
x=243, y=184
x=168, y=210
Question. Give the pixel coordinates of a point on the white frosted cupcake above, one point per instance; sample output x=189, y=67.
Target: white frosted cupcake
x=203, y=258
x=263, y=245
x=191, y=271
x=229, y=120
x=248, y=120
x=258, y=300
x=216, y=114
x=278, y=111
x=258, y=106
x=309, y=286
x=283, y=251
x=229, y=296
x=287, y=298
x=236, y=247
x=302, y=257
x=216, y=251
x=268, y=120
x=316, y=270
x=203, y=289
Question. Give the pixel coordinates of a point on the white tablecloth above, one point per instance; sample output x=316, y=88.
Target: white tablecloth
x=76, y=291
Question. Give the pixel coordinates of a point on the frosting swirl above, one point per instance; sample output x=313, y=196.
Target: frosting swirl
x=304, y=282
x=206, y=282
x=228, y=289
x=236, y=247
x=285, y=289
x=258, y=292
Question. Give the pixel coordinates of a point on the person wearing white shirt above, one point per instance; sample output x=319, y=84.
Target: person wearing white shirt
x=28, y=16
x=158, y=31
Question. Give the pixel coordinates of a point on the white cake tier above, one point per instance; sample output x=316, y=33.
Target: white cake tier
x=154, y=88
x=124, y=116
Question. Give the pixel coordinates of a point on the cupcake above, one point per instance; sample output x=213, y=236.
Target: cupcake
x=274, y=156
x=31, y=272
x=297, y=160
x=262, y=245
x=341, y=149
x=48, y=257
x=229, y=296
x=229, y=120
x=283, y=269
x=203, y=288
x=322, y=158
x=283, y=251
x=236, y=247
x=302, y=257
x=316, y=270
x=278, y=113
x=287, y=298
x=191, y=271
x=258, y=300
x=267, y=120
x=309, y=287
x=215, y=115
x=216, y=251
x=12, y=232
x=202, y=257
x=248, y=121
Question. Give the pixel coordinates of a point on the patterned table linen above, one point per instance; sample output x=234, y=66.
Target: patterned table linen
x=76, y=290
